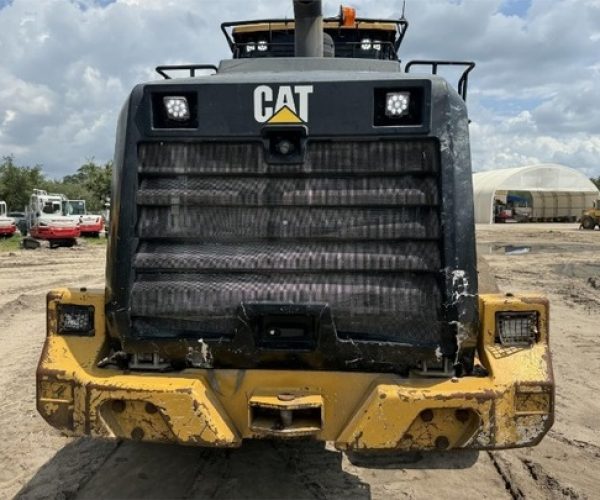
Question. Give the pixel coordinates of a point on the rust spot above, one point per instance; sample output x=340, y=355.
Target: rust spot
x=52, y=374
x=61, y=417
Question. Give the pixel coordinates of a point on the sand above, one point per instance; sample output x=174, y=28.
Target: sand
x=556, y=259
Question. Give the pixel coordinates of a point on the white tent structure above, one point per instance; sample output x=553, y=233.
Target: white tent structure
x=555, y=192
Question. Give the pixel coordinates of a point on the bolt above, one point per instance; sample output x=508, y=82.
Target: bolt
x=462, y=415
x=427, y=415
x=118, y=406
x=137, y=434
x=442, y=443
x=286, y=397
x=150, y=408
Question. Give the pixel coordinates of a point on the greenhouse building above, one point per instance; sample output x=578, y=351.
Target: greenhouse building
x=534, y=193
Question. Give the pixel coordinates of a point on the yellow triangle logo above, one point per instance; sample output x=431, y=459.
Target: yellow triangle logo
x=285, y=115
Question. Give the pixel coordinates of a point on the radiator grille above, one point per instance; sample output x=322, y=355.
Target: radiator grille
x=355, y=227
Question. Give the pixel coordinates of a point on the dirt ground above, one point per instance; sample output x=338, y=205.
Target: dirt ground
x=37, y=462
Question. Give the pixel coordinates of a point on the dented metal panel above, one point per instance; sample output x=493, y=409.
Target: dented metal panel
x=511, y=406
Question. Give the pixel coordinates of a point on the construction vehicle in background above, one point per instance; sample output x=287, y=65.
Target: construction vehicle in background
x=47, y=220
x=292, y=254
x=8, y=226
x=20, y=219
x=89, y=224
x=590, y=218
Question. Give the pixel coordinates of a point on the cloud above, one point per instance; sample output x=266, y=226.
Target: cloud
x=67, y=66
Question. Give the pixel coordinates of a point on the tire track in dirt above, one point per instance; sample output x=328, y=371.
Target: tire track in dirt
x=27, y=441
x=548, y=483
x=40, y=463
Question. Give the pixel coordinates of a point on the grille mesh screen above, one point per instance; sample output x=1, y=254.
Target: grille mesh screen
x=356, y=226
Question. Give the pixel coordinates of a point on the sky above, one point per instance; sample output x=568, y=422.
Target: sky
x=67, y=66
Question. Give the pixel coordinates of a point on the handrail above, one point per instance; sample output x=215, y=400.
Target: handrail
x=161, y=70
x=463, y=81
x=401, y=26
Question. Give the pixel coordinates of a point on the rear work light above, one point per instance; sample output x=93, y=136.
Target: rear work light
x=174, y=109
x=177, y=108
x=402, y=106
x=75, y=320
x=516, y=329
x=397, y=103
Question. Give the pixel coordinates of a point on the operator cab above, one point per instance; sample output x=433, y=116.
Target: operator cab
x=52, y=207
x=75, y=207
x=348, y=36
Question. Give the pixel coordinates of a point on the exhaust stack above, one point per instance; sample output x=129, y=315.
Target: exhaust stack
x=309, y=28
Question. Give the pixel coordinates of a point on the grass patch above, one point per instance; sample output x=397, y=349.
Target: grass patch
x=101, y=241
x=14, y=243
x=10, y=244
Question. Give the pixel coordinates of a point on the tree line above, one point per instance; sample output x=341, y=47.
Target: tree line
x=91, y=183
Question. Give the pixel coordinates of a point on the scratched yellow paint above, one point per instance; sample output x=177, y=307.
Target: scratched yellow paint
x=512, y=406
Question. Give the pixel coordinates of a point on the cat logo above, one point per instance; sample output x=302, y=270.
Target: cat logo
x=287, y=105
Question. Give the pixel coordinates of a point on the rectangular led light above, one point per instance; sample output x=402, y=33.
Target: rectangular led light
x=75, y=319
x=515, y=329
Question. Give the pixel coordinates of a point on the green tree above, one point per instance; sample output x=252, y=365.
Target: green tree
x=72, y=190
x=596, y=180
x=91, y=183
x=96, y=179
x=17, y=183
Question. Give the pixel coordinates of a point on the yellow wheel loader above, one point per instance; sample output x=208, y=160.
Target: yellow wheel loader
x=292, y=255
x=590, y=218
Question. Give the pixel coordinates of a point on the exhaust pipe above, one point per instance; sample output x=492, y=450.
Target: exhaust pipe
x=309, y=28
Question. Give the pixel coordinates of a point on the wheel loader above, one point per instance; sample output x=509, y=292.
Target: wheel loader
x=292, y=255
x=590, y=218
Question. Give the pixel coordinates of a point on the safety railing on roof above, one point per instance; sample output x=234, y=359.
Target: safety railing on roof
x=401, y=27
x=463, y=81
x=192, y=68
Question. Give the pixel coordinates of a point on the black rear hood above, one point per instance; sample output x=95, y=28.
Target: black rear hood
x=211, y=245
